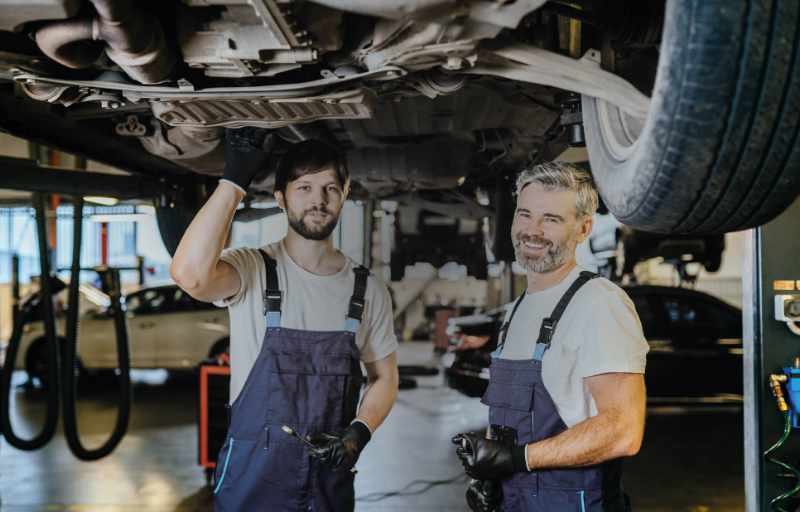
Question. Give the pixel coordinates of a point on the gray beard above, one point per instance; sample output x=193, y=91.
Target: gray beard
x=552, y=259
x=309, y=233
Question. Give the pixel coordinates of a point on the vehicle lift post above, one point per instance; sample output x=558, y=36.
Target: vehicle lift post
x=770, y=290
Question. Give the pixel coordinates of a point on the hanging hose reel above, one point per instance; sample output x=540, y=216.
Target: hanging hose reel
x=63, y=360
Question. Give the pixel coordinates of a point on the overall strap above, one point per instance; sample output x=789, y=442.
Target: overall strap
x=503, y=333
x=272, y=293
x=355, y=311
x=549, y=324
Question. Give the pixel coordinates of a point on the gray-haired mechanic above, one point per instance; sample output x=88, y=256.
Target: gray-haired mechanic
x=566, y=394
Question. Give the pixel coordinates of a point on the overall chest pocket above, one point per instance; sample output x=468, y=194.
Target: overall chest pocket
x=511, y=405
x=316, y=393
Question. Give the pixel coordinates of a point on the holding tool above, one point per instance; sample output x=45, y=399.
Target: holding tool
x=292, y=432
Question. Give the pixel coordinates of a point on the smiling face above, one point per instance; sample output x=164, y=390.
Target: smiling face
x=546, y=228
x=313, y=203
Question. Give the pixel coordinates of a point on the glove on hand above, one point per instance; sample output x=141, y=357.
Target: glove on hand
x=484, y=496
x=246, y=153
x=486, y=459
x=341, y=451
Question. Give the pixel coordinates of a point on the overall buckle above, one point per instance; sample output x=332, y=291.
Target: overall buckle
x=272, y=300
x=356, y=309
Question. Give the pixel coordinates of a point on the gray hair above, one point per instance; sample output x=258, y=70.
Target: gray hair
x=563, y=176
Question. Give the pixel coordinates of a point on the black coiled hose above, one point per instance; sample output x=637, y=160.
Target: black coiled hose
x=68, y=362
x=46, y=305
x=70, y=368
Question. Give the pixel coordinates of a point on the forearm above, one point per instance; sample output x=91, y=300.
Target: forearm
x=378, y=400
x=198, y=252
x=592, y=441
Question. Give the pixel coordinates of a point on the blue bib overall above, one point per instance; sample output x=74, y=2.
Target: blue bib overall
x=521, y=411
x=308, y=380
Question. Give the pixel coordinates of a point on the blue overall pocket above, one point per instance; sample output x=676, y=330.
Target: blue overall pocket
x=510, y=405
x=231, y=461
x=255, y=473
x=321, y=393
x=554, y=500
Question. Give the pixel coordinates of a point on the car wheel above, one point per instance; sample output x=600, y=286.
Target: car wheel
x=719, y=148
x=504, y=204
x=397, y=266
x=220, y=347
x=37, y=363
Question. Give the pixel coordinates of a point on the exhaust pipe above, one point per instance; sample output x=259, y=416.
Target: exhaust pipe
x=134, y=40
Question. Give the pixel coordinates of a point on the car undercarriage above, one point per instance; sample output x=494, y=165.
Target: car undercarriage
x=435, y=102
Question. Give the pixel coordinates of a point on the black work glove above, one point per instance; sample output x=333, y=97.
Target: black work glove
x=341, y=451
x=246, y=153
x=486, y=459
x=484, y=496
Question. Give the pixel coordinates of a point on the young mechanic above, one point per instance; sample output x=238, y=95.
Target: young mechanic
x=566, y=394
x=303, y=317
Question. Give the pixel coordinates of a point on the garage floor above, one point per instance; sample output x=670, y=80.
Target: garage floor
x=691, y=461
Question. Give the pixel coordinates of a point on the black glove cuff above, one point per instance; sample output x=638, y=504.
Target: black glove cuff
x=519, y=459
x=360, y=433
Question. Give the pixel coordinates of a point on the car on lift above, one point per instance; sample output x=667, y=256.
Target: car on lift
x=689, y=109
x=695, y=347
x=167, y=328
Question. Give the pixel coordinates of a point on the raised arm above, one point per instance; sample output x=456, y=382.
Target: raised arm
x=196, y=266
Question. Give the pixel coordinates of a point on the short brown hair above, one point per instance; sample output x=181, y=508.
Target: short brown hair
x=310, y=157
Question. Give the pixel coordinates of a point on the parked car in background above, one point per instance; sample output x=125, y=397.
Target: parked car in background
x=167, y=328
x=695, y=347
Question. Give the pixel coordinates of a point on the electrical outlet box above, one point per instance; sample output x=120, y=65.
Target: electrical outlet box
x=787, y=308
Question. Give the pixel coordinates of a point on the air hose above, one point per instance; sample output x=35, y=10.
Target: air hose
x=68, y=372
x=46, y=305
x=70, y=368
x=777, y=392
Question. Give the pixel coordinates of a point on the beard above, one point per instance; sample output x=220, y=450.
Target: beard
x=309, y=230
x=554, y=256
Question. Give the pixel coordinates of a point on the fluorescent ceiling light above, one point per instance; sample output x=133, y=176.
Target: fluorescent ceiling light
x=105, y=201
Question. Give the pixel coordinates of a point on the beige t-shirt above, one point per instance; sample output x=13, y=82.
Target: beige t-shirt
x=598, y=333
x=310, y=302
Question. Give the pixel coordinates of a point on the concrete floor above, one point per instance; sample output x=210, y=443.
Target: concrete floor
x=691, y=460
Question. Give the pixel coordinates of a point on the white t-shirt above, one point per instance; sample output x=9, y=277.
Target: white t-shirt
x=598, y=333
x=310, y=302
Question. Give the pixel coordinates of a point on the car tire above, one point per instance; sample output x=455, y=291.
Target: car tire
x=397, y=266
x=36, y=361
x=719, y=150
x=220, y=347
x=505, y=205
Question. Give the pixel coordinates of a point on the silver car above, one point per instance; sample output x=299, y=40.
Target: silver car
x=167, y=329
